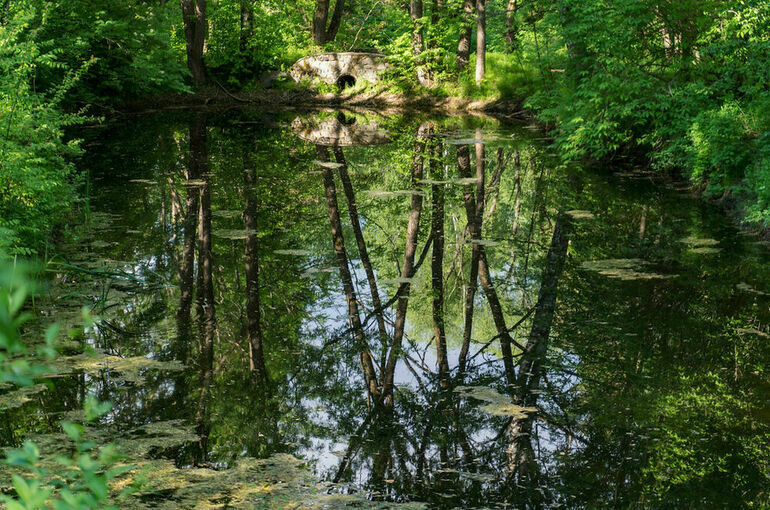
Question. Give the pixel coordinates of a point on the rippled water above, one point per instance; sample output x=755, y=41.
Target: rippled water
x=405, y=309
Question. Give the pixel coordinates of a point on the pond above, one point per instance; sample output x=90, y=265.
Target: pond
x=339, y=308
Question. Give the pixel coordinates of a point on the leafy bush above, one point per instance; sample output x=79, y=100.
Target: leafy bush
x=682, y=85
x=81, y=480
x=36, y=179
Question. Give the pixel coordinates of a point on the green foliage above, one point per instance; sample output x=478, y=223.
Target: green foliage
x=127, y=44
x=682, y=84
x=81, y=480
x=238, y=52
x=36, y=184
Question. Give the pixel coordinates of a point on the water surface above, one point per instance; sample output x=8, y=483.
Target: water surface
x=405, y=309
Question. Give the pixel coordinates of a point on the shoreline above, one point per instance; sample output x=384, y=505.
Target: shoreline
x=213, y=97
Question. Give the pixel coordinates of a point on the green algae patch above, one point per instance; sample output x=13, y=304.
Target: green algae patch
x=745, y=287
x=280, y=481
x=623, y=269
x=228, y=214
x=497, y=404
x=577, y=214
x=701, y=246
x=313, y=271
x=296, y=253
x=19, y=396
x=392, y=194
x=131, y=369
x=698, y=241
x=485, y=242
x=233, y=234
x=156, y=437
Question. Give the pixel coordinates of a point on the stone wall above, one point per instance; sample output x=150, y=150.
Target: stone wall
x=330, y=67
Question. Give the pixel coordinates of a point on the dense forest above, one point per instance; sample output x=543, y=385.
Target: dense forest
x=210, y=273
x=681, y=86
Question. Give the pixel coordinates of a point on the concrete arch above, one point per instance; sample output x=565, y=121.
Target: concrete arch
x=331, y=67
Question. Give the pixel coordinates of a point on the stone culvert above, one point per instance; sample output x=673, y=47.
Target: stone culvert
x=343, y=69
x=339, y=131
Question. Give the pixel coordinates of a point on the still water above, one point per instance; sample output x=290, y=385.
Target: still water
x=337, y=308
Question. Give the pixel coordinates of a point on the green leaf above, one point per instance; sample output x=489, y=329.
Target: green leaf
x=73, y=430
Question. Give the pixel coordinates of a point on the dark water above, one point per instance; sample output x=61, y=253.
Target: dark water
x=425, y=310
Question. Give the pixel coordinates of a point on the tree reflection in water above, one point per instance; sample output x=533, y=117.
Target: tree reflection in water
x=563, y=346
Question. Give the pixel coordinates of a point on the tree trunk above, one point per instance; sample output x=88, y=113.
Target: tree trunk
x=247, y=17
x=464, y=169
x=418, y=43
x=207, y=317
x=510, y=26
x=340, y=253
x=253, y=311
x=522, y=470
x=407, y=268
x=195, y=28
x=350, y=197
x=319, y=21
x=437, y=269
x=322, y=34
x=334, y=25
x=481, y=41
x=196, y=162
x=531, y=363
x=464, y=42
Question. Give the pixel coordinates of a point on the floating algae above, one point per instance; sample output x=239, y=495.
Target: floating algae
x=496, y=403
x=577, y=214
x=131, y=369
x=508, y=409
x=19, y=396
x=315, y=270
x=432, y=181
x=298, y=253
x=705, y=250
x=280, y=481
x=328, y=164
x=623, y=269
x=226, y=214
x=466, y=180
x=233, y=234
x=375, y=193
x=745, y=287
x=701, y=246
x=464, y=141
x=697, y=241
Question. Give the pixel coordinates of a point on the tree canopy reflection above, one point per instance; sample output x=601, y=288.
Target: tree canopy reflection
x=451, y=317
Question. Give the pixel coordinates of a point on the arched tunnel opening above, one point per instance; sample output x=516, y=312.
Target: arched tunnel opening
x=345, y=81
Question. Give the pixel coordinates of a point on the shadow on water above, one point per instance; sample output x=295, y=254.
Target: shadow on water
x=359, y=308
